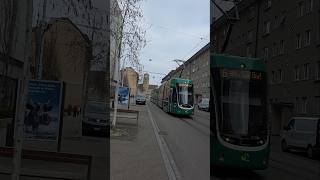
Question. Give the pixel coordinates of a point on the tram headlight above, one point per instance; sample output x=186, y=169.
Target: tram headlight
x=260, y=142
x=264, y=162
x=221, y=157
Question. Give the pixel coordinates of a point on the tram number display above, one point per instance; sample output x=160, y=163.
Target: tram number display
x=185, y=85
x=235, y=73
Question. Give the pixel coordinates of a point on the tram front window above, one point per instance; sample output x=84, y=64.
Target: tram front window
x=243, y=110
x=185, y=97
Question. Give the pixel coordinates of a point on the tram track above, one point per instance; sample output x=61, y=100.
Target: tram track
x=188, y=122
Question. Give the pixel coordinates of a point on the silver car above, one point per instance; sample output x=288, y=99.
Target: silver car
x=95, y=118
x=204, y=104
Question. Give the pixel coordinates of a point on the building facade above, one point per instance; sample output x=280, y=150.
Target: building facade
x=196, y=68
x=145, y=85
x=130, y=79
x=66, y=57
x=286, y=36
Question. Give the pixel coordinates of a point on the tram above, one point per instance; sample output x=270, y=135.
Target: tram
x=240, y=136
x=175, y=96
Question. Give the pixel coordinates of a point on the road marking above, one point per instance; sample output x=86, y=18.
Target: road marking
x=167, y=157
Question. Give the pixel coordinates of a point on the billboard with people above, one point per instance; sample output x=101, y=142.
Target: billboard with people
x=42, y=110
x=123, y=95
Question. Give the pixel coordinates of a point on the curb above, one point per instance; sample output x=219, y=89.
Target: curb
x=167, y=157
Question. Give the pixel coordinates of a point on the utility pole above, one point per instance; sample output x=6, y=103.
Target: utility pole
x=22, y=91
x=40, y=40
x=182, y=61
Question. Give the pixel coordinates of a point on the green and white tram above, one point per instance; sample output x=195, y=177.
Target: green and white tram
x=238, y=119
x=175, y=96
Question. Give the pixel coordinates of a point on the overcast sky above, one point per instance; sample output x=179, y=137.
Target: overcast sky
x=177, y=27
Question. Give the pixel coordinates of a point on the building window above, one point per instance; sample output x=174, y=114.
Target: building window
x=318, y=70
x=267, y=27
x=281, y=52
x=276, y=22
x=306, y=71
x=280, y=75
x=307, y=41
x=296, y=73
x=300, y=9
x=250, y=35
x=249, y=51
x=297, y=105
x=298, y=41
x=268, y=4
x=304, y=105
x=266, y=53
x=252, y=13
x=309, y=6
x=275, y=50
x=273, y=77
x=317, y=104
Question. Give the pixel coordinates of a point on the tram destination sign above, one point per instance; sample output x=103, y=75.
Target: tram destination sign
x=241, y=74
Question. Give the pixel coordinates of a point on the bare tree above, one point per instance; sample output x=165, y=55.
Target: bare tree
x=129, y=36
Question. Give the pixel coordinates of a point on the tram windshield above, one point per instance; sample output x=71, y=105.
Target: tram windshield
x=243, y=104
x=185, y=95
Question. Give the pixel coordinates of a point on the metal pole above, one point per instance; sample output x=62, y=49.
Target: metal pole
x=42, y=32
x=19, y=117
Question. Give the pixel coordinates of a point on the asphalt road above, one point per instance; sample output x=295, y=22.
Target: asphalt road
x=188, y=141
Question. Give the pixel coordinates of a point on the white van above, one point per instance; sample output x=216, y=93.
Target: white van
x=302, y=133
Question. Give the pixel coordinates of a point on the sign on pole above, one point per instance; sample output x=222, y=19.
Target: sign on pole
x=123, y=95
x=42, y=110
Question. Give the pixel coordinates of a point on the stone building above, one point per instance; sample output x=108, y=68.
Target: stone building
x=197, y=69
x=66, y=57
x=286, y=36
x=145, y=85
x=130, y=79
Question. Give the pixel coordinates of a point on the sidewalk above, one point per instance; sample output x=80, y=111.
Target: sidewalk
x=134, y=152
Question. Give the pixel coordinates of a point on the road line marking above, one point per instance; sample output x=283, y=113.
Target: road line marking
x=167, y=157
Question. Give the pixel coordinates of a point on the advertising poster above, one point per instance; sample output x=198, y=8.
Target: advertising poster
x=123, y=95
x=42, y=110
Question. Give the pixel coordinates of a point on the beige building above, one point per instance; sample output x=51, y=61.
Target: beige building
x=130, y=79
x=66, y=57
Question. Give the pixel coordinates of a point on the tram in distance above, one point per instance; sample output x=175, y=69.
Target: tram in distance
x=175, y=96
x=240, y=136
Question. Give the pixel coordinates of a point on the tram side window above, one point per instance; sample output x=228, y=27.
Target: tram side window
x=174, y=95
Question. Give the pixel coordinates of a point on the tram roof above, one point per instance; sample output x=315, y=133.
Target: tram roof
x=237, y=62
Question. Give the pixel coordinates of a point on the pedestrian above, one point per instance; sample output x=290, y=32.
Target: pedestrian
x=74, y=111
x=69, y=110
x=78, y=110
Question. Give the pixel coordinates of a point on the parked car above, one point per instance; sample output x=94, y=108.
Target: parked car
x=95, y=118
x=204, y=104
x=302, y=133
x=141, y=99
